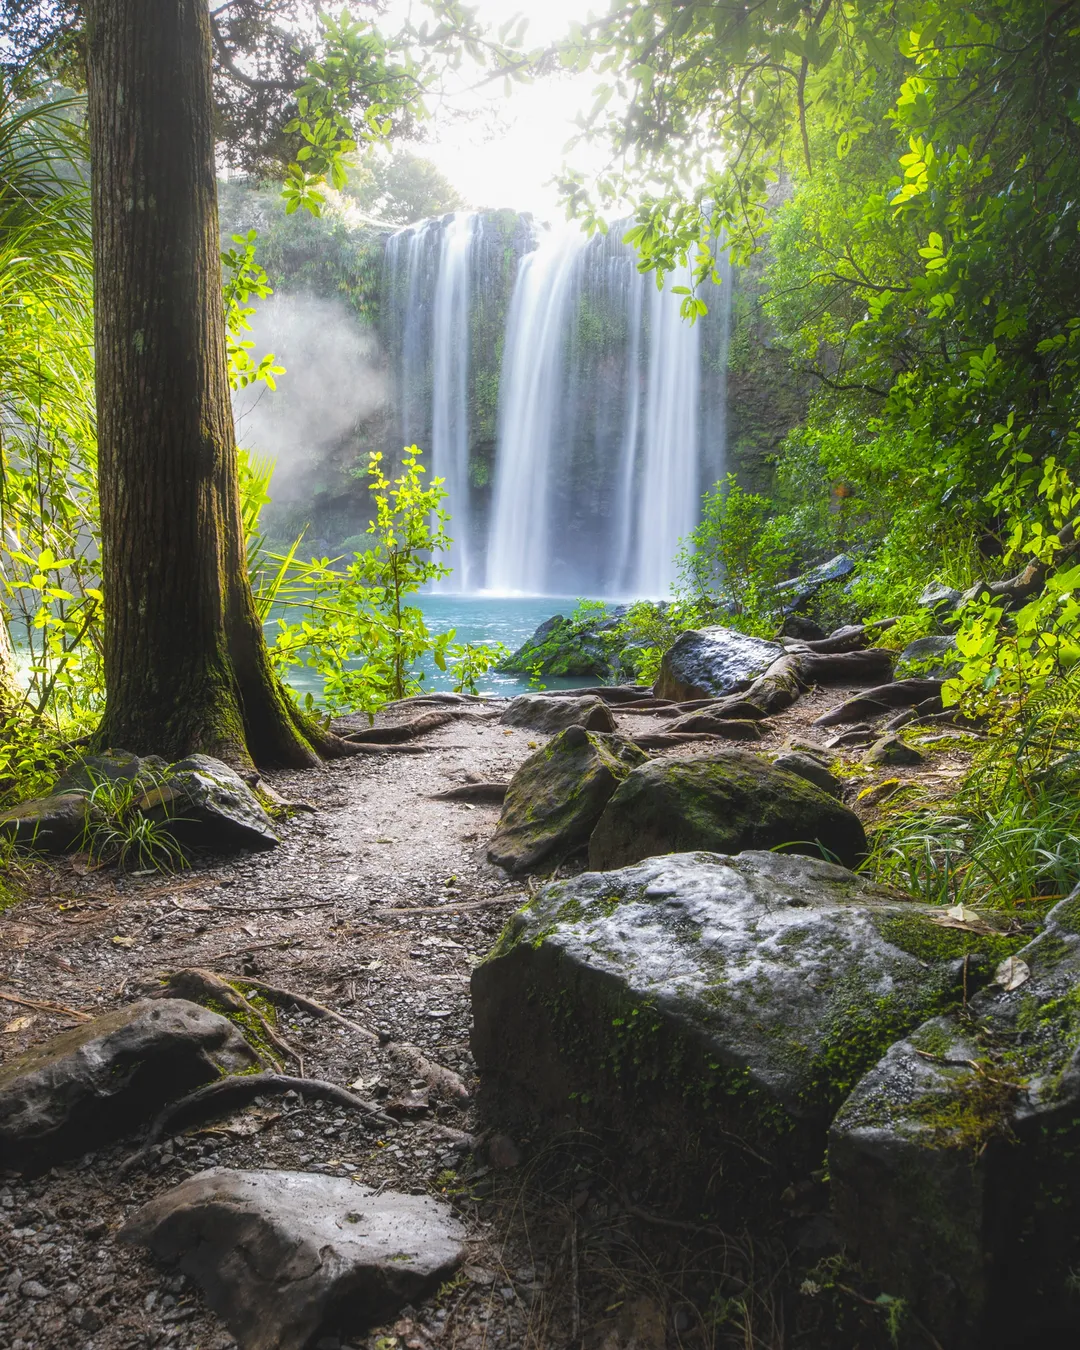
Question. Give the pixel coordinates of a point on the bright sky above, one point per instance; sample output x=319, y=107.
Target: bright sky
x=505, y=155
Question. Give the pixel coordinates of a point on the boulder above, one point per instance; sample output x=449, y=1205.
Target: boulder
x=283, y=1257
x=712, y=662
x=719, y=1008
x=99, y=1081
x=554, y=713
x=955, y=1162
x=725, y=802
x=800, y=589
x=938, y=657
x=112, y=768
x=588, y=644
x=941, y=599
x=48, y=824
x=557, y=795
x=810, y=768
x=205, y=803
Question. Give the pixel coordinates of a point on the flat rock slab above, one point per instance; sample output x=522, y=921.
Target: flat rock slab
x=954, y=1162
x=286, y=1257
x=712, y=662
x=725, y=802
x=557, y=795
x=542, y=712
x=98, y=1082
x=736, y=1000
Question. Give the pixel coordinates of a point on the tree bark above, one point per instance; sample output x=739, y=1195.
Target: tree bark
x=186, y=667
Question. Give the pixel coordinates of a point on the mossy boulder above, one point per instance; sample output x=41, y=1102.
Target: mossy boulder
x=712, y=662
x=585, y=645
x=557, y=795
x=552, y=712
x=956, y=1161
x=725, y=1005
x=725, y=802
x=53, y=824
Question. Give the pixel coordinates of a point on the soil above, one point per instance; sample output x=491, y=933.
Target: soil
x=377, y=903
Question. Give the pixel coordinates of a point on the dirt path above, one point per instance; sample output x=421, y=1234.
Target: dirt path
x=376, y=904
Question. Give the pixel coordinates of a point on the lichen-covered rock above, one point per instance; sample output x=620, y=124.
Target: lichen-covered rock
x=557, y=795
x=550, y=712
x=712, y=662
x=725, y=802
x=285, y=1256
x=939, y=598
x=732, y=1000
x=100, y=1080
x=800, y=589
x=203, y=802
x=955, y=1162
x=47, y=824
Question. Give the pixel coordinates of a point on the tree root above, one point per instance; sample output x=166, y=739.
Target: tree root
x=472, y=792
x=227, y=1094
x=310, y=1005
x=203, y=986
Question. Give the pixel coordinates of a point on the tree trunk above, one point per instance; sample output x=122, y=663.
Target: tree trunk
x=186, y=667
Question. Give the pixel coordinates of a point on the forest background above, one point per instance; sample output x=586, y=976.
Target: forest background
x=910, y=174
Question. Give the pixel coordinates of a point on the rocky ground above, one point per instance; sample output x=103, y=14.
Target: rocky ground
x=377, y=903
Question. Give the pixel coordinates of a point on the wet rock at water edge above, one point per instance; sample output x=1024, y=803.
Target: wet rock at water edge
x=557, y=795
x=542, y=712
x=712, y=662
x=574, y=646
x=285, y=1257
x=727, y=999
x=725, y=803
x=99, y=1081
x=954, y=1162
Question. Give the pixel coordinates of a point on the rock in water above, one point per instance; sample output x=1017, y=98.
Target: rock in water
x=283, y=1256
x=725, y=802
x=557, y=795
x=955, y=1163
x=549, y=713
x=712, y=662
x=97, y=1082
x=206, y=803
x=735, y=1000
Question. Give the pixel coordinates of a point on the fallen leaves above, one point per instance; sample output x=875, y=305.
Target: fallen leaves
x=1012, y=973
x=959, y=916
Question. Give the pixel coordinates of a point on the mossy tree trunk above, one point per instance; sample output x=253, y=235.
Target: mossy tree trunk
x=186, y=667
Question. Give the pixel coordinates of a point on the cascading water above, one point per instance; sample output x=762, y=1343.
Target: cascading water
x=519, y=552
x=611, y=409
x=449, y=394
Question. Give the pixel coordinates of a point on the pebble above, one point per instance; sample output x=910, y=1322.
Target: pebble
x=33, y=1289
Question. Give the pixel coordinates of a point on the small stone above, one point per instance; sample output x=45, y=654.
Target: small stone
x=91, y=1320
x=33, y=1289
x=892, y=750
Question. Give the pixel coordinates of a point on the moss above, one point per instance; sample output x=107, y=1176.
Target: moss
x=933, y=943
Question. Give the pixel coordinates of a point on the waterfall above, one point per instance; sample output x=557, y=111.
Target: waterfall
x=668, y=491
x=574, y=415
x=449, y=393
x=521, y=541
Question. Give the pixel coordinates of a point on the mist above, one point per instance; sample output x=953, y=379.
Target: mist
x=333, y=382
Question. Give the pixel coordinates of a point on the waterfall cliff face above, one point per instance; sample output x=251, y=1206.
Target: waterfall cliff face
x=611, y=409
